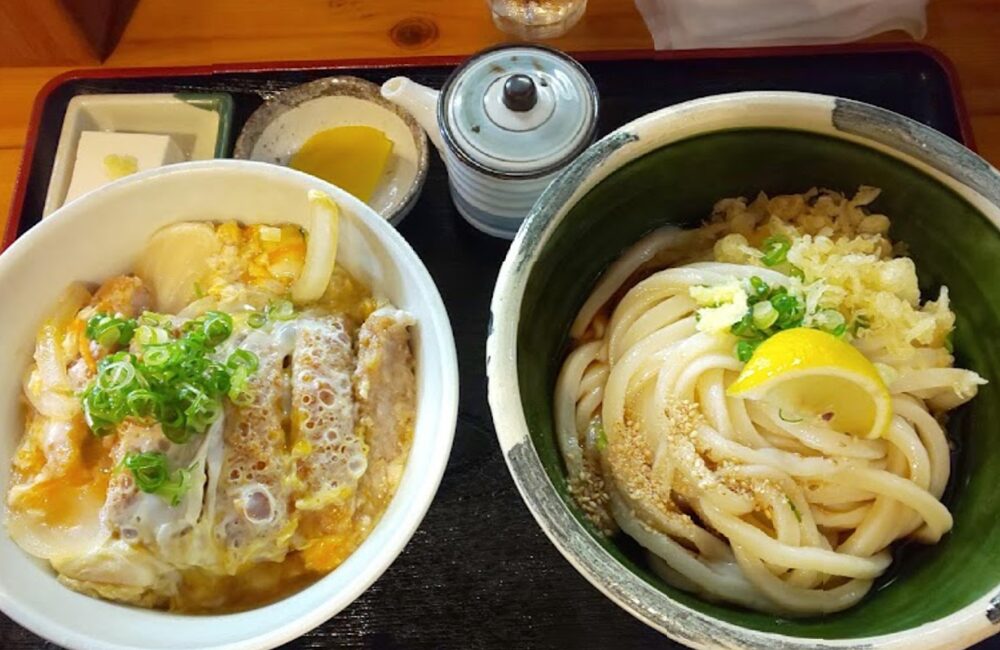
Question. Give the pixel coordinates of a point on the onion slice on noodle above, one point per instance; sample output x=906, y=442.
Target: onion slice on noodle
x=321, y=249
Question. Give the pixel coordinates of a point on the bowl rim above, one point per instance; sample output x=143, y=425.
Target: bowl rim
x=429, y=477
x=920, y=146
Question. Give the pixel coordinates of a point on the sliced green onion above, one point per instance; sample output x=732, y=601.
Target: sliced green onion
x=764, y=315
x=177, y=435
x=170, y=415
x=744, y=328
x=775, y=250
x=238, y=386
x=174, y=489
x=791, y=311
x=157, y=355
x=149, y=469
x=785, y=418
x=149, y=335
x=758, y=288
x=217, y=379
x=243, y=359
x=201, y=415
x=217, y=327
x=256, y=320
x=243, y=398
x=796, y=272
x=281, y=310
x=745, y=349
x=116, y=376
x=173, y=381
x=151, y=474
x=155, y=319
x=142, y=403
x=110, y=330
x=99, y=412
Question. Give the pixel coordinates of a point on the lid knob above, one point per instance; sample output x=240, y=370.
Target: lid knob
x=519, y=93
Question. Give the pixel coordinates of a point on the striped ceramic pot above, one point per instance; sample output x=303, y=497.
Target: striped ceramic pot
x=506, y=122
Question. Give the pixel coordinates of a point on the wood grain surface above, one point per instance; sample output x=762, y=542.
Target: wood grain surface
x=35, y=32
x=167, y=32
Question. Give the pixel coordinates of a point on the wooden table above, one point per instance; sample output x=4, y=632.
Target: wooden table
x=165, y=32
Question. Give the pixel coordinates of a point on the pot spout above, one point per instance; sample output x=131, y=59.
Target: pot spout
x=420, y=101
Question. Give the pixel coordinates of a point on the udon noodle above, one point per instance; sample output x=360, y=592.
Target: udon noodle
x=734, y=498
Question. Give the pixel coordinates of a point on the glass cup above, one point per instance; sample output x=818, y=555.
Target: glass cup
x=536, y=19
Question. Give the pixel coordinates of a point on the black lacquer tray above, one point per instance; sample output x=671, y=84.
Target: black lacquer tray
x=479, y=573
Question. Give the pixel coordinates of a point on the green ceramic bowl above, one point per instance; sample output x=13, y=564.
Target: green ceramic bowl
x=669, y=168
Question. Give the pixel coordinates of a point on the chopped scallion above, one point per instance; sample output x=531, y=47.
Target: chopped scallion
x=745, y=349
x=775, y=250
x=758, y=288
x=110, y=330
x=281, y=310
x=174, y=381
x=764, y=315
x=151, y=474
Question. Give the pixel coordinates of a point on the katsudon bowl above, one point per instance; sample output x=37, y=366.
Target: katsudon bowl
x=669, y=168
x=101, y=235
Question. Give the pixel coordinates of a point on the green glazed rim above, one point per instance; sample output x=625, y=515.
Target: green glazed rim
x=670, y=167
x=221, y=103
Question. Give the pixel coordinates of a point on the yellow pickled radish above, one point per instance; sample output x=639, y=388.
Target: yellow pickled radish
x=808, y=372
x=351, y=157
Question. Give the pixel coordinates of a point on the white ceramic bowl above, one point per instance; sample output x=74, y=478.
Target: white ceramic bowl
x=100, y=235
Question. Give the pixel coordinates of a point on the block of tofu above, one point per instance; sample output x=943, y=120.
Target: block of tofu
x=102, y=157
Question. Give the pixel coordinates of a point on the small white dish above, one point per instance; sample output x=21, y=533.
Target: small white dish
x=199, y=124
x=279, y=128
x=100, y=235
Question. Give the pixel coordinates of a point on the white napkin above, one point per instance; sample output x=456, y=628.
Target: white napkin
x=687, y=24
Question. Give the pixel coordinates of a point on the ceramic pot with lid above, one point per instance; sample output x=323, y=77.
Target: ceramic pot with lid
x=505, y=122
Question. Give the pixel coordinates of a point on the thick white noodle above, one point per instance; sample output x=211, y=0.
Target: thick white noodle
x=736, y=503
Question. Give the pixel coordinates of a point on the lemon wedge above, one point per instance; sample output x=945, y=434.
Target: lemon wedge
x=808, y=373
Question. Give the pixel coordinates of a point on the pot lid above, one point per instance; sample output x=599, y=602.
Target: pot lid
x=519, y=110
